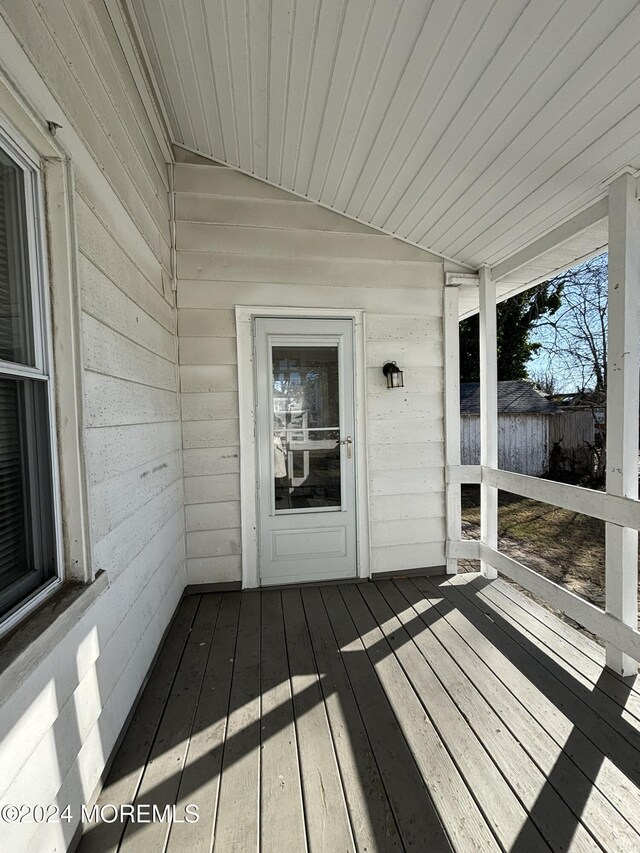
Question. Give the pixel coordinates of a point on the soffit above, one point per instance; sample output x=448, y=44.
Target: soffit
x=468, y=128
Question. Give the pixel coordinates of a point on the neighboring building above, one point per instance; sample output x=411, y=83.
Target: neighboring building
x=524, y=426
x=579, y=430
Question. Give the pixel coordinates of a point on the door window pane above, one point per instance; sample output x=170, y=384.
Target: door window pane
x=306, y=427
x=16, y=338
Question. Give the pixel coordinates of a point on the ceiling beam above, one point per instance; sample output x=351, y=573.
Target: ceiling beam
x=569, y=229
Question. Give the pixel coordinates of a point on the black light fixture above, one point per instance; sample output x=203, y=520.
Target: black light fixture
x=393, y=374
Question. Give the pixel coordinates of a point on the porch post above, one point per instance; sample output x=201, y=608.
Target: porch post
x=622, y=405
x=452, y=420
x=488, y=413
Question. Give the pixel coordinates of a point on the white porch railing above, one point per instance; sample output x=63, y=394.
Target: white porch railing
x=619, y=506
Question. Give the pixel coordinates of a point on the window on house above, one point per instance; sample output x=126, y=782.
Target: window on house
x=28, y=556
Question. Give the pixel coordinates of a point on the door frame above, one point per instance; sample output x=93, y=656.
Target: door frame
x=245, y=315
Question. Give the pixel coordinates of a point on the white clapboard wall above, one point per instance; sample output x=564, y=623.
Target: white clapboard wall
x=523, y=442
x=60, y=725
x=240, y=241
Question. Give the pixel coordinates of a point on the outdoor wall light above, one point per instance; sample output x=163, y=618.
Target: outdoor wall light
x=393, y=374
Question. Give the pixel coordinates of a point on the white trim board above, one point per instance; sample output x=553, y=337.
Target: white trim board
x=245, y=315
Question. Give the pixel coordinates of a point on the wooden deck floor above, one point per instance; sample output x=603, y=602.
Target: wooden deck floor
x=421, y=714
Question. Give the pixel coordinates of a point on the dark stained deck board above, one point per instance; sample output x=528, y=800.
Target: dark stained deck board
x=620, y=727
x=526, y=722
x=583, y=736
x=371, y=816
x=495, y=745
x=128, y=766
x=418, y=821
x=281, y=786
x=564, y=629
x=494, y=796
x=326, y=814
x=237, y=824
x=160, y=782
x=583, y=668
x=418, y=714
x=200, y=780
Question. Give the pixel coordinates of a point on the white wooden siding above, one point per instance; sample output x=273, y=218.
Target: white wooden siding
x=241, y=243
x=67, y=713
x=523, y=442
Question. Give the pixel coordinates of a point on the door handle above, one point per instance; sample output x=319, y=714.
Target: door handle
x=348, y=441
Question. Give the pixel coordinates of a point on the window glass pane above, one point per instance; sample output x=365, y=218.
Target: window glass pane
x=16, y=339
x=306, y=428
x=26, y=509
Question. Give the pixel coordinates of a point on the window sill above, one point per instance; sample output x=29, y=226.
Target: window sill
x=31, y=642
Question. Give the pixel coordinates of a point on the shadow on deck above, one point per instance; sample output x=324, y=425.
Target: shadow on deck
x=417, y=714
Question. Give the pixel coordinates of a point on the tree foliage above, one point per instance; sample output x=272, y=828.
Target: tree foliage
x=516, y=318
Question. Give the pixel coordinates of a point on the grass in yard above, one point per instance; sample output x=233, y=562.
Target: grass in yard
x=562, y=545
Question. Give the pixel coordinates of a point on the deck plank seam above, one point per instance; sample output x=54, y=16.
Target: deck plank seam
x=433, y=724
x=473, y=601
x=530, y=749
x=548, y=732
x=364, y=727
x=196, y=704
x=330, y=727
x=358, y=591
x=622, y=726
x=124, y=824
x=562, y=642
x=226, y=729
x=442, y=736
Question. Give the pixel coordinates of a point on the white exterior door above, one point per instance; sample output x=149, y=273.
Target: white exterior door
x=306, y=459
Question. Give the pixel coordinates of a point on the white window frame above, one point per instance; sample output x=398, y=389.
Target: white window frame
x=28, y=160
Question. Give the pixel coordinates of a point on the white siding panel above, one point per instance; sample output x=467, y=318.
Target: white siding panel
x=262, y=213
x=211, y=460
x=221, y=181
x=214, y=324
x=208, y=350
x=106, y=351
x=110, y=452
x=400, y=327
x=286, y=270
x=112, y=402
x=211, y=433
x=216, y=516
x=75, y=702
x=236, y=246
x=106, y=302
x=406, y=531
x=412, y=481
x=402, y=456
x=208, y=377
x=417, y=507
x=405, y=431
x=200, y=570
x=282, y=243
x=210, y=489
x=392, y=558
x=213, y=543
x=220, y=405
x=206, y=294
x=403, y=403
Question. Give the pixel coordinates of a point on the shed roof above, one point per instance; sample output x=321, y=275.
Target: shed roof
x=515, y=397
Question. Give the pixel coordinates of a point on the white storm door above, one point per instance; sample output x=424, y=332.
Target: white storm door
x=306, y=456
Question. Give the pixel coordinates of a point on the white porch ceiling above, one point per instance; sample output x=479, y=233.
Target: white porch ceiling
x=468, y=127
